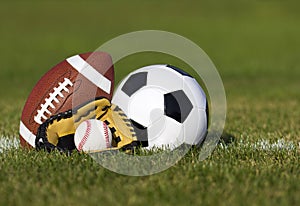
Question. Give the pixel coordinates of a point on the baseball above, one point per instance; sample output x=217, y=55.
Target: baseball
x=92, y=135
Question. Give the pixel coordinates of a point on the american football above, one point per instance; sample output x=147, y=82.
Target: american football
x=87, y=75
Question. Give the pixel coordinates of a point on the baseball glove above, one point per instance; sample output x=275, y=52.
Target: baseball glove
x=58, y=131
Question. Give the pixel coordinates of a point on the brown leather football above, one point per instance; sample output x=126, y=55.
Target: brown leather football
x=72, y=82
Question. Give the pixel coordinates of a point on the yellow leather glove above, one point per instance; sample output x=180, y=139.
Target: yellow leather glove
x=58, y=131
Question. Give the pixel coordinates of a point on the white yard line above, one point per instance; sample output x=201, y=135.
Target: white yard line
x=7, y=143
x=280, y=144
x=266, y=145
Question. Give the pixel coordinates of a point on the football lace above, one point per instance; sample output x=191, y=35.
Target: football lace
x=53, y=97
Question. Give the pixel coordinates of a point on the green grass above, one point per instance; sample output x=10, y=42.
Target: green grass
x=254, y=45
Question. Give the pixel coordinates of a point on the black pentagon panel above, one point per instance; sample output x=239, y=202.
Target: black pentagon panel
x=207, y=115
x=134, y=83
x=179, y=70
x=177, y=105
x=141, y=133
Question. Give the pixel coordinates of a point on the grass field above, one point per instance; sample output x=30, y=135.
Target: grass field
x=255, y=46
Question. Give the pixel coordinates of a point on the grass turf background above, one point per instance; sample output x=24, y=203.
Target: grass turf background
x=254, y=45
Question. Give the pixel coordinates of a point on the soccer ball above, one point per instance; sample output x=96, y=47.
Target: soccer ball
x=166, y=106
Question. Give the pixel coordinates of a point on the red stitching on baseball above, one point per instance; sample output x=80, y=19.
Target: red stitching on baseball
x=106, y=135
x=86, y=135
